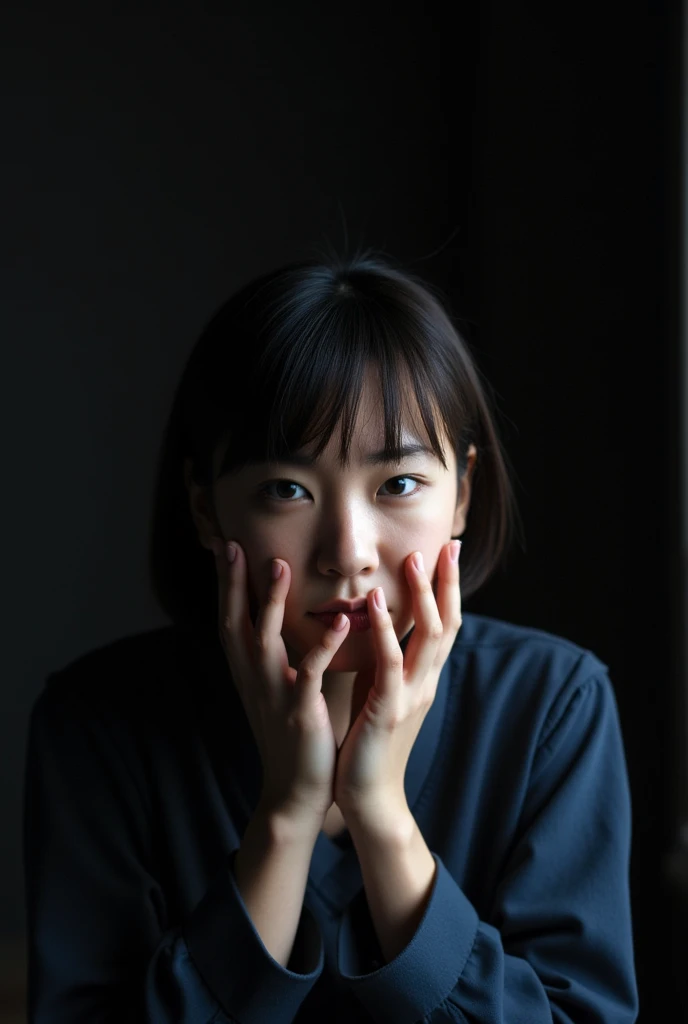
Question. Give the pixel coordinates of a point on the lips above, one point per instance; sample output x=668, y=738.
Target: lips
x=349, y=607
x=359, y=622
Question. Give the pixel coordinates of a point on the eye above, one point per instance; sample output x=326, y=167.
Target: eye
x=408, y=479
x=286, y=484
x=263, y=492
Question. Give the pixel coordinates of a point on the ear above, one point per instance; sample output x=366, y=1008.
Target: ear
x=464, y=499
x=201, y=508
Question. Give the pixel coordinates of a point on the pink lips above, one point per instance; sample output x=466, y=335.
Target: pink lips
x=359, y=621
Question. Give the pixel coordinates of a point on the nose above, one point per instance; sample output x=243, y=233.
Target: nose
x=349, y=549
x=342, y=564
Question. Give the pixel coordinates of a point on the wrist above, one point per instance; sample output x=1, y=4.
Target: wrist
x=286, y=824
x=383, y=818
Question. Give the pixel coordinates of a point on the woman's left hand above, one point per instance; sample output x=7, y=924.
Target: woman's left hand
x=372, y=759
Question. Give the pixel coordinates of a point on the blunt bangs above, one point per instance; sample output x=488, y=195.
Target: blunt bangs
x=312, y=372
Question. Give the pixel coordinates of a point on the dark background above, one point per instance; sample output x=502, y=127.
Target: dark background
x=526, y=162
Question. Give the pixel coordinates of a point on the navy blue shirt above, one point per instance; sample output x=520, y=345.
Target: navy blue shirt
x=142, y=774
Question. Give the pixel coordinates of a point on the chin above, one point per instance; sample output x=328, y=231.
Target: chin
x=344, y=661
x=356, y=652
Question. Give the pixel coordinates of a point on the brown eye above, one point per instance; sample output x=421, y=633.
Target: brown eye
x=282, y=485
x=406, y=479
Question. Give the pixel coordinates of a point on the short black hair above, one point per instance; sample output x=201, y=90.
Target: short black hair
x=280, y=363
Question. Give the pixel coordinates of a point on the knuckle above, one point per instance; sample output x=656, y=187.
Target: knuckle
x=396, y=660
x=261, y=641
x=307, y=670
x=387, y=627
x=436, y=631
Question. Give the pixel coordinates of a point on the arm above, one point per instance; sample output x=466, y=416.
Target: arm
x=271, y=871
x=558, y=942
x=101, y=945
x=399, y=874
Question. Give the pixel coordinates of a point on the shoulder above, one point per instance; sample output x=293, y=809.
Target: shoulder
x=489, y=637
x=502, y=662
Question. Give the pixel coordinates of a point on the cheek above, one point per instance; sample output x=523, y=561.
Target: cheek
x=256, y=600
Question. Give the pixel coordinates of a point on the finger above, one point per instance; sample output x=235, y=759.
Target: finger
x=449, y=591
x=235, y=621
x=390, y=658
x=309, y=675
x=218, y=545
x=268, y=632
x=425, y=644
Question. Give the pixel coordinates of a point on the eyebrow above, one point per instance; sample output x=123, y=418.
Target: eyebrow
x=379, y=458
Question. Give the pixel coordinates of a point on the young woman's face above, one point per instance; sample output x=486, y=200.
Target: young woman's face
x=343, y=532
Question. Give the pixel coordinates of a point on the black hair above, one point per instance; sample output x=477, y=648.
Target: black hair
x=280, y=363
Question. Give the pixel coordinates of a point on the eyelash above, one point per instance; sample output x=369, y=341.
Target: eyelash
x=287, y=501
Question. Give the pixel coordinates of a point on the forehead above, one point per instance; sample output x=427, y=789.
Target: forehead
x=367, y=440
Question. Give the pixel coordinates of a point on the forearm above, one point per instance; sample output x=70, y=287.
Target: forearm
x=271, y=871
x=398, y=873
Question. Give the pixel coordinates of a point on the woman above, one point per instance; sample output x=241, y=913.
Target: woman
x=268, y=812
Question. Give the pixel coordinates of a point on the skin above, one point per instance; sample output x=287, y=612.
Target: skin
x=343, y=532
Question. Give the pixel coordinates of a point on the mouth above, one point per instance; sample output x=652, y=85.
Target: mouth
x=360, y=604
x=359, y=621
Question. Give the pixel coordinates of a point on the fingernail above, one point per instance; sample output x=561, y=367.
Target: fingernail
x=231, y=552
x=455, y=550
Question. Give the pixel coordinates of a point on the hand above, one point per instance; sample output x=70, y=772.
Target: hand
x=285, y=706
x=373, y=756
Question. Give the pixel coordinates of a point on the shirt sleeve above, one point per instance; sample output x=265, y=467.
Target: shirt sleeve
x=100, y=945
x=558, y=943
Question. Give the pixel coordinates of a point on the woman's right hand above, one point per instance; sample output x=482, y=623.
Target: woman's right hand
x=285, y=706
